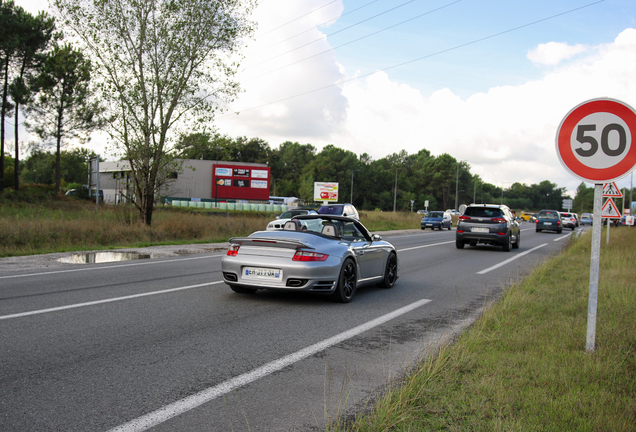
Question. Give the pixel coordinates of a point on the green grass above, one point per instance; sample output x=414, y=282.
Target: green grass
x=523, y=365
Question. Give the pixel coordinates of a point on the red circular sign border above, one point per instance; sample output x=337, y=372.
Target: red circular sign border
x=564, y=132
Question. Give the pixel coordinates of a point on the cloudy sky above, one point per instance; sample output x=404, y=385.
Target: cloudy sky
x=487, y=81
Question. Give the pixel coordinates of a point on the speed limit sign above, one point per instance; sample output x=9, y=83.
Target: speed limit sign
x=594, y=140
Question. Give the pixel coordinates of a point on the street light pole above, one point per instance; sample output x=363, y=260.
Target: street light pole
x=395, y=192
x=502, y=187
x=275, y=185
x=456, y=185
x=351, y=199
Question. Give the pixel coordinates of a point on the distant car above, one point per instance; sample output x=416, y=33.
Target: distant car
x=488, y=224
x=526, y=216
x=578, y=220
x=280, y=221
x=437, y=219
x=324, y=254
x=568, y=220
x=422, y=212
x=339, y=210
x=453, y=212
x=549, y=220
x=587, y=219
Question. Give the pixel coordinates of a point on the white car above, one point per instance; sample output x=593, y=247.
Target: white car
x=279, y=223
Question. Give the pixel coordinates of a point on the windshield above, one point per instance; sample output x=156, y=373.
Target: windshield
x=548, y=215
x=436, y=215
x=331, y=210
x=333, y=228
x=291, y=213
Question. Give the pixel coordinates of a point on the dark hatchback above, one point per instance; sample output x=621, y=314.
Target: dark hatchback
x=549, y=220
x=488, y=224
x=437, y=219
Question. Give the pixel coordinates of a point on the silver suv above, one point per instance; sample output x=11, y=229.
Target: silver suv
x=489, y=224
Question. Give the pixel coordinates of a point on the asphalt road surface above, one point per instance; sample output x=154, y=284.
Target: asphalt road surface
x=164, y=344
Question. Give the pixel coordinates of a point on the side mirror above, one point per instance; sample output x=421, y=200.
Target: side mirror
x=376, y=237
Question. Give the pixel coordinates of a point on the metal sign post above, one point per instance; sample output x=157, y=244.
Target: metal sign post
x=594, y=143
x=597, y=225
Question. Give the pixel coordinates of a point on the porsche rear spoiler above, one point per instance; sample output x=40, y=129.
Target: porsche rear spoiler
x=270, y=242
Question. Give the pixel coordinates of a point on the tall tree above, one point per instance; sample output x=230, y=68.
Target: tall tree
x=9, y=39
x=65, y=108
x=165, y=64
x=34, y=36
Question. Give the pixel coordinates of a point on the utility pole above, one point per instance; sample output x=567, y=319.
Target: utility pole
x=456, y=185
x=395, y=192
x=351, y=199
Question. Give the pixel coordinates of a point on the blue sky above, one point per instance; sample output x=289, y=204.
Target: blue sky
x=493, y=80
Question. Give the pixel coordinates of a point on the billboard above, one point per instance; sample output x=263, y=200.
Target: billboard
x=240, y=182
x=326, y=191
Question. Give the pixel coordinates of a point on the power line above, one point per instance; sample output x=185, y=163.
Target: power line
x=312, y=28
x=346, y=28
x=296, y=19
x=423, y=57
x=350, y=42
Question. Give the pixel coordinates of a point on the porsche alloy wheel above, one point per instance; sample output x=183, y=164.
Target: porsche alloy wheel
x=390, y=272
x=347, y=282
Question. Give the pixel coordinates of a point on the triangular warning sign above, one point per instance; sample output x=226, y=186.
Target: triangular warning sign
x=611, y=190
x=610, y=210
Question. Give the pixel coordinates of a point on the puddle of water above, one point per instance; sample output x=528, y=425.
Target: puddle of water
x=102, y=257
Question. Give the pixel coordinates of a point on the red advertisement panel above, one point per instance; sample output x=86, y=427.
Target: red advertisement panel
x=240, y=182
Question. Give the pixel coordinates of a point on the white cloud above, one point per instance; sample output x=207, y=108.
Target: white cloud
x=552, y=53
x=506, y=134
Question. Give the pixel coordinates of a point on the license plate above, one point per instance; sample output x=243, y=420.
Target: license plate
x=547, y=223
x=262, y=273
x=429, y=224
x=480, y=230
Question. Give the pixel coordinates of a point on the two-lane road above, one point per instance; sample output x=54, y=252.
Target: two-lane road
x=164, y=343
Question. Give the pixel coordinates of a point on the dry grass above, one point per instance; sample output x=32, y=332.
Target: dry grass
x=58, y=225
x=77, y=225
x=388, y=221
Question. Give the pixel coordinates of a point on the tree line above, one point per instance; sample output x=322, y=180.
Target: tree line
x=391, y=182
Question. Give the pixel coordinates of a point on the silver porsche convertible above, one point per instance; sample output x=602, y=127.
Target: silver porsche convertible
x=318, y=253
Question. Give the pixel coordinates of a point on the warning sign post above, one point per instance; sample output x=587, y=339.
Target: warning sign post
x=594, y=142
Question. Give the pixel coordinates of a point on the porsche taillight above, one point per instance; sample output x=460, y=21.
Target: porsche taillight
x=233, y=250
x=309, y=256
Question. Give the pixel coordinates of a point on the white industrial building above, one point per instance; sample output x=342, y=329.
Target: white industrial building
x=193, y=181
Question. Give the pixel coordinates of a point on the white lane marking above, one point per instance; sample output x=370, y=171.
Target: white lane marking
x=96, y=302
x=425, y=246
x=108, y=267
x=503, y=263
x=563, y=237
x=179, y=407
x=422, y=234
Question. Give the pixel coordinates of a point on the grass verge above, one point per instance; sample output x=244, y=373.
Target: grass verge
x=58, y=224
x=523, y=366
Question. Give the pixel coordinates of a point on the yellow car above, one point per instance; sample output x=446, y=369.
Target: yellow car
x=526, y=216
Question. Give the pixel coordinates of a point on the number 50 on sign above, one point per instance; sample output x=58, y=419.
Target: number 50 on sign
x=594, y=141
